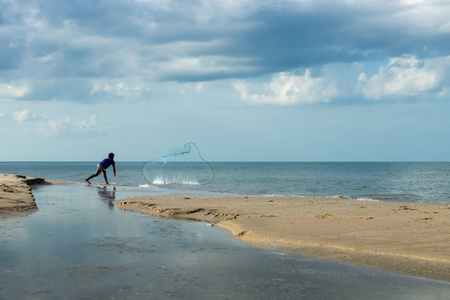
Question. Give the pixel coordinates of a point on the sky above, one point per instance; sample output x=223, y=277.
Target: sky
x=279, y=80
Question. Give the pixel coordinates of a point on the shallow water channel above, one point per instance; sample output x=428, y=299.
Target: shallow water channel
x=79, y=246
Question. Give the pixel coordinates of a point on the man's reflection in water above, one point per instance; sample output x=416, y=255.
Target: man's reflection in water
x=108, y=196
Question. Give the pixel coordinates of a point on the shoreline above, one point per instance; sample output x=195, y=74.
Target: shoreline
x=399, y=237
x=16, y=197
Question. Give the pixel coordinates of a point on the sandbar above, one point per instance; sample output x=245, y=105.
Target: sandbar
x=399, y=237
x=16, y=198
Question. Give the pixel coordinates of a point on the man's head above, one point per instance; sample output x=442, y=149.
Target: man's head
x=111, y=155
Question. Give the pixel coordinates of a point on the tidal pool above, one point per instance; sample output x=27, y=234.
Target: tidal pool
x=79, y=246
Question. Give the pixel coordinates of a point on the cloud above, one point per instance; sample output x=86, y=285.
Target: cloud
x=194, y=69
x=89, y=124
x=401, y=78
x=118, y=88
x=13, y=90
x=425, y=16
x=53, y=127
x=288, y=89
x=67, y=127
x=91, y=51
x=443, y=92
x=24, y=115
x=47, y=126
x=404, y=76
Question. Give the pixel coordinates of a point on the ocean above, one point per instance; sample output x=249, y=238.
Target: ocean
x=427, y=182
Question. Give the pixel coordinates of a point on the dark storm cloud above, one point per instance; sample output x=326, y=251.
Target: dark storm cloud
x=188, y=41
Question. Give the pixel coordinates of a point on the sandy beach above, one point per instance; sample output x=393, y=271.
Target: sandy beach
x=16, y=197
x=405, y=238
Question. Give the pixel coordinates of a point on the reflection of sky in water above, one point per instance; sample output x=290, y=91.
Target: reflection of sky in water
x=75, y=246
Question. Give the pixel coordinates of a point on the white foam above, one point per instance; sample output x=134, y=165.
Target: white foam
x=366, y=199
x=146, y=185
x=174, y=181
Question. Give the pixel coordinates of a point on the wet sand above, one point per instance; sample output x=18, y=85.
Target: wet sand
x=405, y=238
x=16, y=197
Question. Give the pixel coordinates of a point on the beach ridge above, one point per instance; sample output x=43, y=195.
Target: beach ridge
x=16, y=197
x=401, y=237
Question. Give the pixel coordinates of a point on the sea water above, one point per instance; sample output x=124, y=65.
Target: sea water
x=79, y=246
x=388, y=181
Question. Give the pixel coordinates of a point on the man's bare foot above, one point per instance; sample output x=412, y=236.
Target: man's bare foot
x=87, y=181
